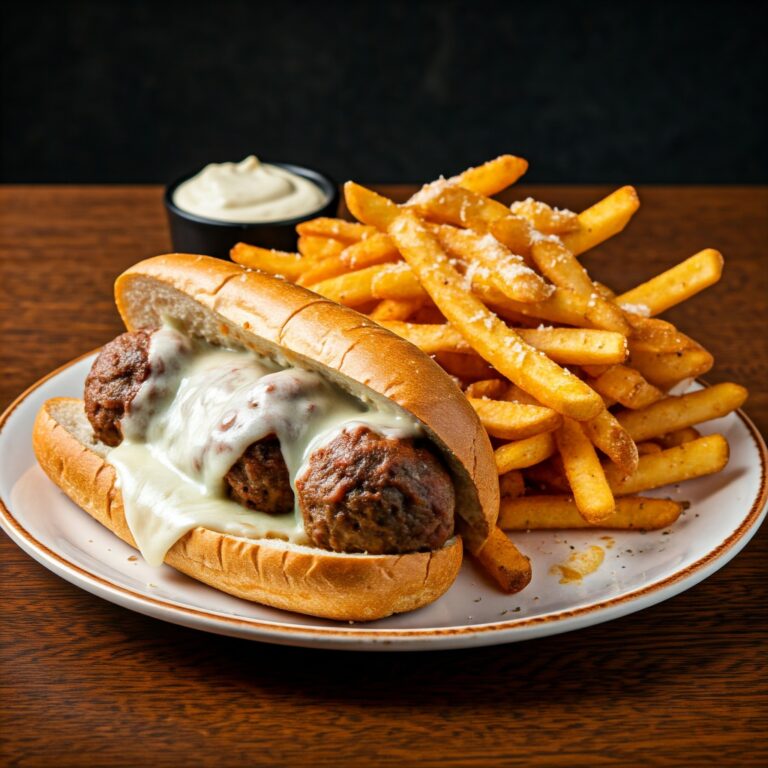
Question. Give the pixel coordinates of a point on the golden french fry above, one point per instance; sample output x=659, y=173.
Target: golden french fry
x=503, y=561
x=514, y=421
x=395, y=309
x=577, y=346
x=492, y=388
x=512, y=484
x=352, y=288
x=673, y=413
x=488, y=335
x=704, y=456
x=649, y=334
x=604, y=291
x=605, y=218
x=643, y=449
x=331, y=266
x=430, y=338
x=591, y=492
x=679, y=436
x=289, y=265
x=624, y=385
x=375, y=249
x=313, y=247
x=492, y=177
x=338, y=229
x=524, y=453
x=545, y=219
x=675, y=285
x=516, y=395
x=560, y=266
x=665, y=369
x=557, y=512
x=446, y=204
x=563, y=307
x=613, y=440
x=568, y=346
x=505, y=270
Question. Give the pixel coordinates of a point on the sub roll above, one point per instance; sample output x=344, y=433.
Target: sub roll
x=273, y=444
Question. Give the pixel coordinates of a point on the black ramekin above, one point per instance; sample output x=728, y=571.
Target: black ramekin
x=196, y=234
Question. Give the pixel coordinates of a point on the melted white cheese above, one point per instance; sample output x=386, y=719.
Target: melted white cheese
x=196, y=414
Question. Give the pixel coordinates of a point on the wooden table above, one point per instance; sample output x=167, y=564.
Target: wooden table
x=85, y=682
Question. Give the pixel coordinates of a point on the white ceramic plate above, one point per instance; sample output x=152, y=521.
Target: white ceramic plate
x=638, y=571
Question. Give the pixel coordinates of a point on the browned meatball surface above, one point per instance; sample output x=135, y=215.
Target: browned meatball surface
x=113, y=381
x=259, y=478
x=362, y=492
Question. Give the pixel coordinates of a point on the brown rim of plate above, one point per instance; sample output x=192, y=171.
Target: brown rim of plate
x=344, y=631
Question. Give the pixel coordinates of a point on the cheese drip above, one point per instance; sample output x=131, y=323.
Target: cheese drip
x=194, y=417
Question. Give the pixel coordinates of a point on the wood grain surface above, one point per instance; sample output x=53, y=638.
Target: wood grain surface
x=84, y=682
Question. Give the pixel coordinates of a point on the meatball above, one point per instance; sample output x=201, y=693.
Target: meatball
x=259, y=479
x=363, y=492
x=113, y=381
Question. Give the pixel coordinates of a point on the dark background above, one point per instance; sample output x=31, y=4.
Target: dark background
x=385, y=91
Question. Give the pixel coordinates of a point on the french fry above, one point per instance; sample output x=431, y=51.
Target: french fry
x=560, y=512
x=678, y=437
x=352, y=288
x=375, y=249
x=512, y=484
x=675, y=285
x=613, y=440
x=568, y=346
x=492, y=177
x=503, y=561
x=673, y=413
x=331, y=266
x=514, y=421
x=649, y=334
x=313, y=247
x=506, y=271
x=488, y=335
x=577, y=346
x=643, y=449
x=591, y=492
x=395, y=309
x=430, y=338
x=492, y=388
x=605, y=218
x=624, y=385
x=382, y=281
x=545, y=219
x=289, y=265
x=563, y=307
x=524, y=453
x=516, y=395
x=560, y=266
x=704, y=456
x=397, y=281
x=338, y=229
x=666, y=369
x=445, y=204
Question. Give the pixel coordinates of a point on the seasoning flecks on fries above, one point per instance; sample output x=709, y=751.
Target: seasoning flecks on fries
x=570, y=380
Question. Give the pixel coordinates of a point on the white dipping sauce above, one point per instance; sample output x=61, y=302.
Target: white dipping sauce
x=196, y=414
x=248, y=192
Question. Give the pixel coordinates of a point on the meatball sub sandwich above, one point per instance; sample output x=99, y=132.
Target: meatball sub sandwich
x=273, y=444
